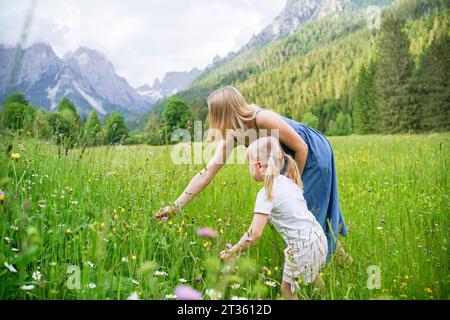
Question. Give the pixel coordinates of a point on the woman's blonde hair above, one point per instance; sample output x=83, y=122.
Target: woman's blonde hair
x=228, y=110
x=268, y=151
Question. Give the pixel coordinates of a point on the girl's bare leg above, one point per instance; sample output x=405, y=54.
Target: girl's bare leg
x=286, y=291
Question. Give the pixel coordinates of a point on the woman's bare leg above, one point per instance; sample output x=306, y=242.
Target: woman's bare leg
x=286, y=291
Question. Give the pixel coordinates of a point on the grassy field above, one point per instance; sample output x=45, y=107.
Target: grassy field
x=93, y=214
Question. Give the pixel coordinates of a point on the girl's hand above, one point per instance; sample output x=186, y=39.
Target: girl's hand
x=225, y=255
x=166, y=213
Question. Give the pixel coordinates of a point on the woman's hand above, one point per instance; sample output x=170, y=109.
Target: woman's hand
x=166, y=213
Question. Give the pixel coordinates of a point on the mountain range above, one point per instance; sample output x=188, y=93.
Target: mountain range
x=90, y=80
x=85, y=76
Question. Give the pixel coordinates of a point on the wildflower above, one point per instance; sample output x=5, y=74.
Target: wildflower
x=207, y=233
x=182, y=280
x=170, y=296
x=90, y=264
x=37, y=276
x=133, y=258
x=270, y=283
x=135, y=282
x=74, y=202
x=151, y=154
x=133, y=296
x=68, y=232
x=10, y=267
x=52, y=264
x=267, y=270
x=235, y=286
x=160, y=273
x=27, y=287
x=428, y=290
x=187, y=293
x=7, y=239
x=206, y=244
x=2, y=196
x=192, y=243
x=41, y=203
x=125, y=260
x=14, y=227
x=213, y=294
x=14, y=249
x=15, y=156
x=92, y=285
x=379, y=228
x=198, y=279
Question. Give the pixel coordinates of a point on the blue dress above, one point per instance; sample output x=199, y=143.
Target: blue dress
x=320, y=182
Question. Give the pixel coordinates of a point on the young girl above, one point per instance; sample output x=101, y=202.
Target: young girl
x=282, y=201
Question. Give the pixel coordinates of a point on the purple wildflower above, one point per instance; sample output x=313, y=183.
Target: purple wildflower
x=187, y=293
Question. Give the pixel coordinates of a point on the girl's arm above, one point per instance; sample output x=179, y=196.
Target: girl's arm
x=272, y=121
x=201, y=179
x=249, y=238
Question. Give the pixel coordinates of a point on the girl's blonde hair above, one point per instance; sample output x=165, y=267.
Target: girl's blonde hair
x=228, y=110
x=269, y=151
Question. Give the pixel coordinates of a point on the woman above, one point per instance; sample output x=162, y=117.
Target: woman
x=309, y=148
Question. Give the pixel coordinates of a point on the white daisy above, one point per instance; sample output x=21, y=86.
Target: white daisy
x=10, y=267
x=270, y=283
x=27, y=287
x=213, y=294
x=92, y=285
x=170, y=296
x=133, y=296
x=125, y=260
x=7, y=239
x=14, y=227
x=182, y=280
x=90, y=264
x=37, y=275
x=160, y=273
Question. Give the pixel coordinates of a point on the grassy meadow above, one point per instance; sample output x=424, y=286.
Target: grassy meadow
x=92, y=211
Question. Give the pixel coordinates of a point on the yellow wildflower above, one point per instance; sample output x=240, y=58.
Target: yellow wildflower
x=15, y=156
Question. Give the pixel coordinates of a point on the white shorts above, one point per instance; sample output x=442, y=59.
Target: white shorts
x=303, y=261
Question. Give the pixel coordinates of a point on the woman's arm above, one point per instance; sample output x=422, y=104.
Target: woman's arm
x=249, y=238
x=272, y=121
x=201, y=179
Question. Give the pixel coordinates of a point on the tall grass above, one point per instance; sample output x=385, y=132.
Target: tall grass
x=94, y=210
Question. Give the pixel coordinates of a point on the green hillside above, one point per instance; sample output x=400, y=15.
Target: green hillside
x=316, y=69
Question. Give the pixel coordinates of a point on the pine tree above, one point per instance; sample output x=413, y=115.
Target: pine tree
x=432, y=85
x=392, y=78
x=364, y=107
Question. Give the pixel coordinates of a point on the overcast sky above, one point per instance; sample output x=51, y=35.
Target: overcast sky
x=143, y=39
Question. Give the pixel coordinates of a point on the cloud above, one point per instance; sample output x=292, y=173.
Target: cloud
x=143, y=39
